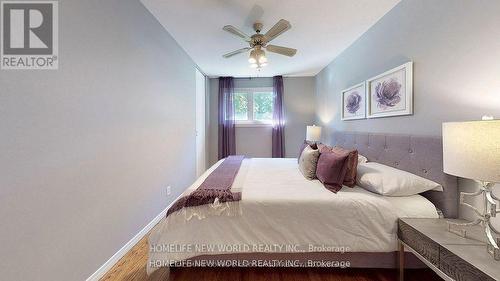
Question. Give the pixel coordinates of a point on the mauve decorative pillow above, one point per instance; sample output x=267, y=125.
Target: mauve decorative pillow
x=308, y=161
x=304, y=145
x=324, y=148
x=352, y=163
x=331, y=169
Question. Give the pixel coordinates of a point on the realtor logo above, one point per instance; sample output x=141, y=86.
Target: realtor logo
x=29, y=35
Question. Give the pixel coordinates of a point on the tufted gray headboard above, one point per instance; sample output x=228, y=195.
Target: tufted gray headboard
x=418, y=155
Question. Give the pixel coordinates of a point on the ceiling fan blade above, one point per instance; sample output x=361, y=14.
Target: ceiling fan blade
x=237, y=32
x=281, y=50
x=228, y=55
x=280, y=27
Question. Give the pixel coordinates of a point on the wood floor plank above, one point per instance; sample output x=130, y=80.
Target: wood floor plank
x=229, y=274
x=294, y=274
x=132, y=267
x=313, y=275
x=259, y=274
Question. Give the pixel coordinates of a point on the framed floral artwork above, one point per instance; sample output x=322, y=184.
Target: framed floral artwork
x=391, y=93
x=354, y=102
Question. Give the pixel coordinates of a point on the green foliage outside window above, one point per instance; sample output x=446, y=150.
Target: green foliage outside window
x=262, y=103
x=263, y=106
x=240, y=106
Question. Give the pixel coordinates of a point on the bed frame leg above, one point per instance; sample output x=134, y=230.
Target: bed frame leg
x=401, y=254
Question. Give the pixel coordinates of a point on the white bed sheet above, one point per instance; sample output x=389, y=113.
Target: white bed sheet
x=280, y=207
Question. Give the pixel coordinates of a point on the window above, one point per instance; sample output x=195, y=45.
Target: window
x=240, y=106
x=253, y=106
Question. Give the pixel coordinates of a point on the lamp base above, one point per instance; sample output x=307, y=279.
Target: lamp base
x=484, y=218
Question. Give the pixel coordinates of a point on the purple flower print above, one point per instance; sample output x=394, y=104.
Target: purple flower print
x=353, y=101
x=388, y=94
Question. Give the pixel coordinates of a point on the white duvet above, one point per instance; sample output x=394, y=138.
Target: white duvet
x=280, y=207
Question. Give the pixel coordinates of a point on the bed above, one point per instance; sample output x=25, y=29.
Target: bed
x=286, y=220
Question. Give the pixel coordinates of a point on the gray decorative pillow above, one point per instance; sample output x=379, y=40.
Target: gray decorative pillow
x=308, y=161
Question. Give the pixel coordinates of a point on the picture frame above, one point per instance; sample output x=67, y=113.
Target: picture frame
x=353, y=101
x=391, y=93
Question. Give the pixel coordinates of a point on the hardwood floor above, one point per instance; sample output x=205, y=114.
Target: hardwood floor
x=133, y=267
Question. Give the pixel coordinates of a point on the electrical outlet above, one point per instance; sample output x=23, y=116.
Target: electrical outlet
x=169, y=190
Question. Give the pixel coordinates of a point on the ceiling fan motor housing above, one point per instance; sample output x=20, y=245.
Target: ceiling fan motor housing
x=257, y=40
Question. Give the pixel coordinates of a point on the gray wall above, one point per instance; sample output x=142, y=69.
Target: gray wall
x=299, y=103
x=88, y=150
x=455, y=47
x=299, y=106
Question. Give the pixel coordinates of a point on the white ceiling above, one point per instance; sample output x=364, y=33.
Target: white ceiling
x=321, y=30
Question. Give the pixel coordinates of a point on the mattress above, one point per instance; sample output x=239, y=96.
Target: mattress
x=283, y=212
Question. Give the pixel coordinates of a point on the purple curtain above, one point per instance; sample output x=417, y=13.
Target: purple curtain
x=278, y=119
x=227, y=139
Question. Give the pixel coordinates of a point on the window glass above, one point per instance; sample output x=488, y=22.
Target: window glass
x=263, y=106
x=241, y=106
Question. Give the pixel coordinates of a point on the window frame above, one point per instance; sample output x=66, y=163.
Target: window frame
x=250, y=95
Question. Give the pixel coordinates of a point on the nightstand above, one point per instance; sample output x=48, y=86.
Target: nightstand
x=452, y=257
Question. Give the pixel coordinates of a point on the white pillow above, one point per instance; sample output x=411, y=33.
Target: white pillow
x=362, y=159
x=385, y=180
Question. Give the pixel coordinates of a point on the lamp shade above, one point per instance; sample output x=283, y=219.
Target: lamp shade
x=472, y=150
x=313, y=133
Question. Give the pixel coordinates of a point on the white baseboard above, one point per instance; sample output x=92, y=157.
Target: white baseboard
x=118, y=255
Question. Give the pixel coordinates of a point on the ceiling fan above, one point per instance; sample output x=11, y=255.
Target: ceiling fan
x=259, y=42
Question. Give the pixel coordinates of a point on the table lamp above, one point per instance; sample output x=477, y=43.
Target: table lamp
x=313, y=133
x=472, y=150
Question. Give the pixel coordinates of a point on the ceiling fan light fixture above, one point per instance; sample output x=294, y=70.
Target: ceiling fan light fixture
x=259, y=52
x=254, y=65
x=252, y=53
x=253, y=57
x=262, y=59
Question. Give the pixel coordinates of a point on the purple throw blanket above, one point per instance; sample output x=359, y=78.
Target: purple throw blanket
x=216, y=186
